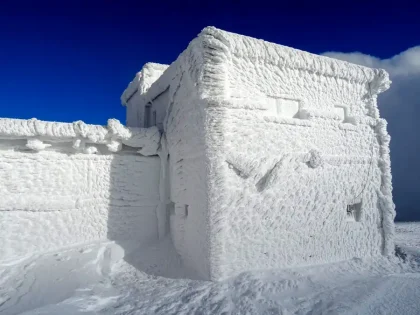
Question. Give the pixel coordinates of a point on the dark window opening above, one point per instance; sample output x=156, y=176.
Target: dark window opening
x=354, y=212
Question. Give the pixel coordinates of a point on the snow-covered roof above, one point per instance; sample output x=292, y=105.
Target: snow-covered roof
x=213, y=49
x=261, y=51
x=143, y=80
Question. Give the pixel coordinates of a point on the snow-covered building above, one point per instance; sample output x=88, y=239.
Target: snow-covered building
x=248, y=154
x=276, y=157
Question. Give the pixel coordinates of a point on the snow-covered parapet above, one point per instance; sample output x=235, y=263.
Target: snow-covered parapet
x=43, y=134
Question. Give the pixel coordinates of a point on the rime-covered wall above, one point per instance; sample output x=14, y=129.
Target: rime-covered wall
x=282, y=199
x=175, y=96
x=188, y=190
x=55, y=194
x=293, y=142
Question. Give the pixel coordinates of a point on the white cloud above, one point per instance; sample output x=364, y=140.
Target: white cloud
x=400, y=105
x=404, y=64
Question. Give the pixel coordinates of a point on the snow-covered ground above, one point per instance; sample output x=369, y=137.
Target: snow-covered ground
x=100, y=278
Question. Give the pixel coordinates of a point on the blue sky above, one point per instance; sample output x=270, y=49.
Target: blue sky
x=66, y=61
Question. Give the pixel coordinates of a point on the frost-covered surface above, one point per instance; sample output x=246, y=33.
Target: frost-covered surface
x=71, y=183
x=51, y=200
x=132, y=95
x=96, y=279
x=269, y=147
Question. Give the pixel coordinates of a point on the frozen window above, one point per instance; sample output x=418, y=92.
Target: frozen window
x=283, y=107
x=154, y=118
x=354, y=212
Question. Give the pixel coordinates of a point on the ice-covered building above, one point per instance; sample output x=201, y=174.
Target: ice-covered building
x=267, y=157
x=276, y=157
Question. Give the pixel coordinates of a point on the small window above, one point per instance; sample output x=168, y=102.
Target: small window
x=354, y=212
x=154, y=118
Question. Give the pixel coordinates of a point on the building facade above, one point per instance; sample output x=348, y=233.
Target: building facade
x=274, y=157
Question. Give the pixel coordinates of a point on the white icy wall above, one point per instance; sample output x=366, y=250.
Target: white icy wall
x=282, y=177
x=62, y=185
x=188, y=190
x=280, y=204
x=176, y=98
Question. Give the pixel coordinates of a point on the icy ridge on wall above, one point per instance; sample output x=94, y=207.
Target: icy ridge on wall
x=114, y=135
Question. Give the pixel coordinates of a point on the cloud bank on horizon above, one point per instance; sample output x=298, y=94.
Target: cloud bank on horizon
x=400, y=105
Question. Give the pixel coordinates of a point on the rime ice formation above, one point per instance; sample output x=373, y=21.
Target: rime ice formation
x=250, y=155
x=69, y=183
x=277, y=157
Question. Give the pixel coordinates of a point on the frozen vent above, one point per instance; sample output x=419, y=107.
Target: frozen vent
x=354, y=211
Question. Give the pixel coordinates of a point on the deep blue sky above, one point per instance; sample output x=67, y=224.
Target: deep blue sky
x=71, y=60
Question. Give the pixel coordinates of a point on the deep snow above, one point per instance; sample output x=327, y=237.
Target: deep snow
x=99, y=278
